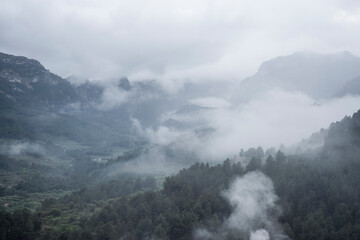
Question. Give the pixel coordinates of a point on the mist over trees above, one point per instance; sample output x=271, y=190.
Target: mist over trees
x=131, y=160
x=318, y=198
x=179, y=120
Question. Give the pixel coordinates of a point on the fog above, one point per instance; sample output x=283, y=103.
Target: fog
x=173, y=41
x=14, y=148
x=254, y=213
x=207, y=45
x=278, y=117
x=187, y=62
x=164, y=119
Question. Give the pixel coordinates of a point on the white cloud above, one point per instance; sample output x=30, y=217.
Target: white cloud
x=211, y=102
x=172, y=40
x=348, y=17
x=253, y=201
x=275, y=118
x=113, y=96
x=278, y=117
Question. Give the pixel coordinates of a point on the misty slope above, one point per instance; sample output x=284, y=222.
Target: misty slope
x=39, y=105
x=319, y=76
x=343, y=140
x=318, y=196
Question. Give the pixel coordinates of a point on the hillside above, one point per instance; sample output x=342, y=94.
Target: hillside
x=73, y=165
x=299, y=197
x=25, y=82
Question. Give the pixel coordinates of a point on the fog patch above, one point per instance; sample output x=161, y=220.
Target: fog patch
x=15, y=148
x=153, y=161
x=167, y=151
x=163, y=135
x=112, y=97
x=260, y=234
x=255, y=211
x=276, y=118
x=211, y=102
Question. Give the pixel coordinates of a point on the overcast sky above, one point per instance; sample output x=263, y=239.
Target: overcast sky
x=166, y=39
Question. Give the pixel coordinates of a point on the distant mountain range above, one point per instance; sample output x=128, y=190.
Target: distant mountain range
x=317, y=75
x=39, y=105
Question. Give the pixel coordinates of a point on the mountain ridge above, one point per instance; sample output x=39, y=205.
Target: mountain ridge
x=318, y=75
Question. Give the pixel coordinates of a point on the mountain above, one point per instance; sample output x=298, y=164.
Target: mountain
x=317, y=75
x=37, y=105
x=25, y=82
x=65, y=153
x=89, y=92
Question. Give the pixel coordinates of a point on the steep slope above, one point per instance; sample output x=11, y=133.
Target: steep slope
x=36, y=104
x=25, y=82
x=319, y=76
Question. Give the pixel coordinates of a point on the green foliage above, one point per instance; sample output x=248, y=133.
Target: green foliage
x=120, y=186
x=21, y=224
x=189, y=199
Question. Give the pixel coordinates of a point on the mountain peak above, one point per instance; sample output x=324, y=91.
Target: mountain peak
x=18, y=60
x=21, y=69
x=25, y=81
x=124, y=83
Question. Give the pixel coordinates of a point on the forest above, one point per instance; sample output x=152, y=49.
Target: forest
x=179, y=120
x=318, y=196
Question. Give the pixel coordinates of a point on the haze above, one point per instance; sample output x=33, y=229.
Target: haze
x=173, y=41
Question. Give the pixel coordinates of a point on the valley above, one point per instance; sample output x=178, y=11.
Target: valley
x=130, y=160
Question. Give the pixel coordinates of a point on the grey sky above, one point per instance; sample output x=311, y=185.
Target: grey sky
x=173, y=40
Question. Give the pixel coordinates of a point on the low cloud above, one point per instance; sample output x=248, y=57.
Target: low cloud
x=112, y=97
x=14, y=148
x=277, y=117
x=254, y=214
x=211, y=102
x=260, y=234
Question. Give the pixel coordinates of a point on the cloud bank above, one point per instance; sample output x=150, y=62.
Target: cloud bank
x=277, y=117
x=173, y=41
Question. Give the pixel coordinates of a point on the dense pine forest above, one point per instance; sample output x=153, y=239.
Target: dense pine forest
x=318, y=198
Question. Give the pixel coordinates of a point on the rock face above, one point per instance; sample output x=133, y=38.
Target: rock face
x=25, y=82
x=319, y=76
x=36, y=104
